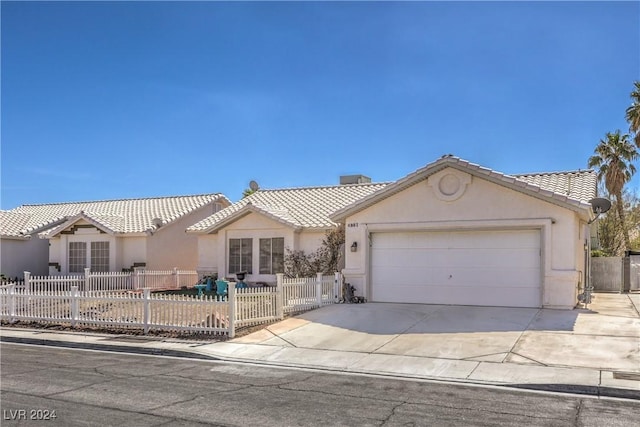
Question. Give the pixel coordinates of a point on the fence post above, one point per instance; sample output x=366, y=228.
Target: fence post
x=87, y=285
x=12, y=302
x=74, y=306
x=337, y=280
x=231, y=299
x=319, y=289
x=279, y=296
x=27, y=281
x=146, y=298
x=176, y=278
x=136, y=279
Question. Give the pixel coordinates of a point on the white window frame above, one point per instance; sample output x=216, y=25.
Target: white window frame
x=266, y=255
x=77, y=256
x=100, y=256
x=243, y=261
x=89, y=247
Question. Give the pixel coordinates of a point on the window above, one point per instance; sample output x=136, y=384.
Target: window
x=99, y=256
x=272, y=255
x=77, y=257
x=240, y=255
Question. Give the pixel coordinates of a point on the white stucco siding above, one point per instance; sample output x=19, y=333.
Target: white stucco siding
x=19, y=256
x=252, y=226
x=54, y=254
x=59, y=249
x=482, y=206
x=208, y=253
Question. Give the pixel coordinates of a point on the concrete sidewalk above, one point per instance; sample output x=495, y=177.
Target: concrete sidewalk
x=594, y=351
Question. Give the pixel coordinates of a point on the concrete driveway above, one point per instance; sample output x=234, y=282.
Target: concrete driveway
x=606, y=336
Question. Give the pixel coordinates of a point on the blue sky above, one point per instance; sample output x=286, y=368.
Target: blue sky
x=107, y=100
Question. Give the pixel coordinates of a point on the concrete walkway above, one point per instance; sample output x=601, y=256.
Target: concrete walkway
x=593, y=351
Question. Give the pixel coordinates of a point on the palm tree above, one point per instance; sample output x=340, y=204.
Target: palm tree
x=633, y=113
x=613, y=158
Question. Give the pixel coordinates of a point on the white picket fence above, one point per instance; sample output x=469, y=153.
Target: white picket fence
x=113, y=281
x=301, y=294
x=148, y=311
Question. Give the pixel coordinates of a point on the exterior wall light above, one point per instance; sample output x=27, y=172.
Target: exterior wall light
x=354, y=247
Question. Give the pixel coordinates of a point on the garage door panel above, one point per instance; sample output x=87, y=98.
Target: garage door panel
x=457, y=257
x=523, y=258
x=466, y=267
x=470, y=277
x=506, y=297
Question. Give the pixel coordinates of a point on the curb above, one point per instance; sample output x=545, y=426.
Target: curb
x=599, y=391
x=595, y=391
x=108, y=347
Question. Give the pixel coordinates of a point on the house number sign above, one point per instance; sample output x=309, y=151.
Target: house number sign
x=352, y=225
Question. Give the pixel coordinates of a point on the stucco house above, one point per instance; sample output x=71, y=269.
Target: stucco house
x=107, y=235
x=454, y=232
x=254, y=233
x=20, y=250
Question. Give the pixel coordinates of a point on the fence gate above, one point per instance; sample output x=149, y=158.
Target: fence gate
x=607, y=274
x=634, y=273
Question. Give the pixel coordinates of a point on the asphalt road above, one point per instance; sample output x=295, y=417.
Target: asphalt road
x=86, y=388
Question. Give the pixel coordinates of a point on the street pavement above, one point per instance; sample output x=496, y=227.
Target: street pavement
x=593, y=350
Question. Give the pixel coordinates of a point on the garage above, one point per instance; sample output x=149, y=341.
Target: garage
x=479, y=267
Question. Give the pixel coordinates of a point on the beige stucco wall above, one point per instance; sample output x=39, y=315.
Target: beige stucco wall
x=213, y=248
x=18, y=256
x=130, y=250
x=170, y=246
x=482, y=206
x=54, y=254
x=208, y=254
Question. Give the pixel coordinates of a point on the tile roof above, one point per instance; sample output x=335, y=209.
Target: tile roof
x=117, y=216
x=12, y=222
x=578, y=185
x=306, y=207
x=572, y=189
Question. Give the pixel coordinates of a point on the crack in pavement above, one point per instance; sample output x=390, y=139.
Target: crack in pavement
x=393, y=412
x=576, y=419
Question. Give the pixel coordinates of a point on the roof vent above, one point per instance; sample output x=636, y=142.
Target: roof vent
x=354, y=179
x=157, y=222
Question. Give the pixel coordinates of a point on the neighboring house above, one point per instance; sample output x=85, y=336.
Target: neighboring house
x=454, y=232
x=109, y=235
x=253, y=234
x=19, y=251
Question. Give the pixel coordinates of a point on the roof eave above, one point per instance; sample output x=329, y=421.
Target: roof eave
x=422, y=174
x=12, y=237
x=55, y=231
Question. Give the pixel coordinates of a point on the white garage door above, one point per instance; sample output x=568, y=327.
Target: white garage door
x=490, y=268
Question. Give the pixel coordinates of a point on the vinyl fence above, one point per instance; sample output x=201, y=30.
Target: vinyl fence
x=112, y=281
x=148, y=311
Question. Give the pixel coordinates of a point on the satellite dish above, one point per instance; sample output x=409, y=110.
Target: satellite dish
x=600, y=205
x=254, y=185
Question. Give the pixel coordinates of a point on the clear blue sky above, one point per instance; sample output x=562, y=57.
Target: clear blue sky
x=139, y=99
